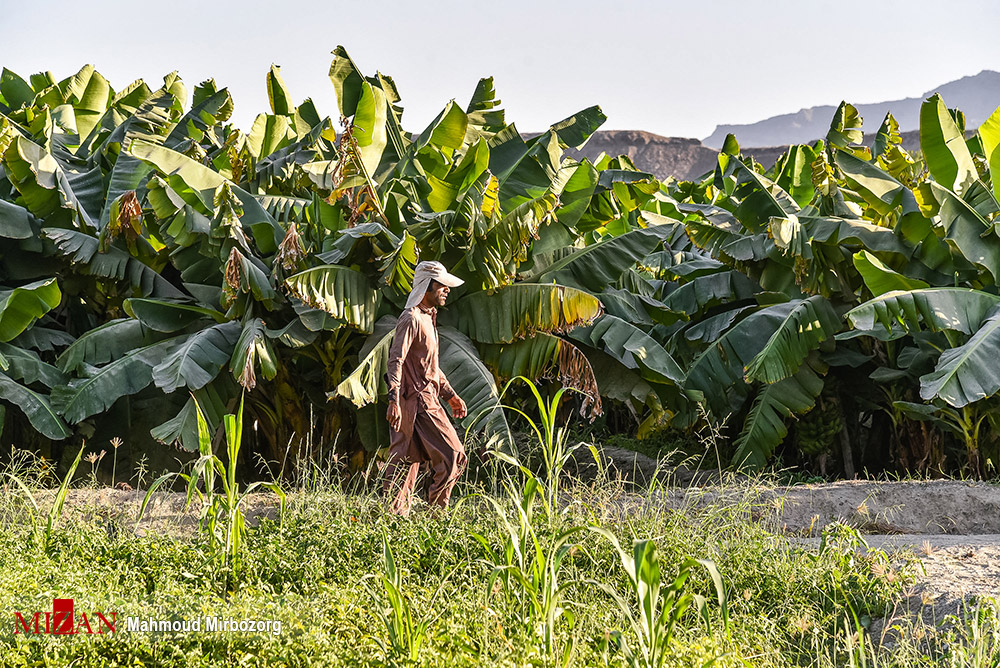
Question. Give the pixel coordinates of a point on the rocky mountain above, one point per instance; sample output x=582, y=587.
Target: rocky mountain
x=660, y=156
x=684, y=158
x=978, y=96
x=679, y=157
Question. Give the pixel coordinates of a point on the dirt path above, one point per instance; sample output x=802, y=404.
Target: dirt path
x=957, y=570
x=952, y=527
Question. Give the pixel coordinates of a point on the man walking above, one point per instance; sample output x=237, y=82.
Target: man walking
x=420, y=430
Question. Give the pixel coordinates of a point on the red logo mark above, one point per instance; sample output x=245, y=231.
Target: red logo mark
x=62, y=620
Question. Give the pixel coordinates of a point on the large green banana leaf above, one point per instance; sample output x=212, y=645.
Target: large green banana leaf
x=348, y=83
x=573, y=132
x=339, y=291
x=638, y=308
x=845, y=127
x=485, y=118
x=576, y=191
x=632, y=347
x=363, y=385
x=196, y=184
x=687, y=265
x=989, y=135
x=215, y=107
x=164, y=316
x=470, y=378
x=35, y=407
x=547, y=356
x=794, y=173
x=27, y=367
x=15, y=91
x=525, y=166
x=502, y=242
x=764, y=427
x=887, y=136
x=196, y=360
x=369, y=127
x=277, y=93
x=880, y=278
x=93, y=93
x=448, y=190
x=48, y=186
x=103, y=343
x=969, y=372
x=769, y=344
x=149, y=122
x=796, y=233
x=595, y=267
x=521, y=310
x=967, y=230
x=807, y=324
x=880, y=190
x=397, y=254
x=347, y=80
x=760, y=199
x=113, y=262
x=269, y=134
x=15, y=222
x=157, y=120
x=726, y=239
x=21, y=307
x=947, y=155
x=706, y=291
x=96, y=392
x=279, y=167
x=445, y=135
x=709, y=329
x=959, y=309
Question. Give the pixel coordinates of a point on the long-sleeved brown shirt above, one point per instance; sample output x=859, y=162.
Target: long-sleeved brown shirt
x=413, y=359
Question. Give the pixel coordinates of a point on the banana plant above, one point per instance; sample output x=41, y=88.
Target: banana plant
x=152, y=251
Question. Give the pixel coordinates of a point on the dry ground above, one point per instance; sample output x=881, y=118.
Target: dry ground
x=951, y=527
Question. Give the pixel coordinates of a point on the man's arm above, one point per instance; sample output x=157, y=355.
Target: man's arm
x=406, y=329
x=444, y=387
x=448, y=393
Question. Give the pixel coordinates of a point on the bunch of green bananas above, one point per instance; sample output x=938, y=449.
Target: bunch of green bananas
x=817, y=430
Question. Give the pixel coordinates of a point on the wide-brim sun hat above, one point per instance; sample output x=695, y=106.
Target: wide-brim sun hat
x=423, y=275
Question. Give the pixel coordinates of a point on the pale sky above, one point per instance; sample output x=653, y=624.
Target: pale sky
x=673, y=68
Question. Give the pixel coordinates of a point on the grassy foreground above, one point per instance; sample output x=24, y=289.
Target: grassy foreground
x=456, y=581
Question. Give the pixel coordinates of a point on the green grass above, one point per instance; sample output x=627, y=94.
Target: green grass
x=321, y=572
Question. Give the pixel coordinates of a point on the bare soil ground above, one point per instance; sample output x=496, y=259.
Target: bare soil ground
x=951, y=527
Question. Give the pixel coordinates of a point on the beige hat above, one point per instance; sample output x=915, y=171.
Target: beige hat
x=422, y=277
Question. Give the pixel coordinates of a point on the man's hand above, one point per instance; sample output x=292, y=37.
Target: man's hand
x=394, y=416
x=457, y=407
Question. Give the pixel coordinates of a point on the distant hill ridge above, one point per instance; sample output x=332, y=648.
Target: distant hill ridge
x=661, y=156
x=977, y=96
x=683, y=158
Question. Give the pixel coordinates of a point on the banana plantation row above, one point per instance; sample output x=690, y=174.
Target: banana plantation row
x=838, y=308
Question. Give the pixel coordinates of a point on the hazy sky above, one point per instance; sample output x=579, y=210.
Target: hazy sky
x=674, y=68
